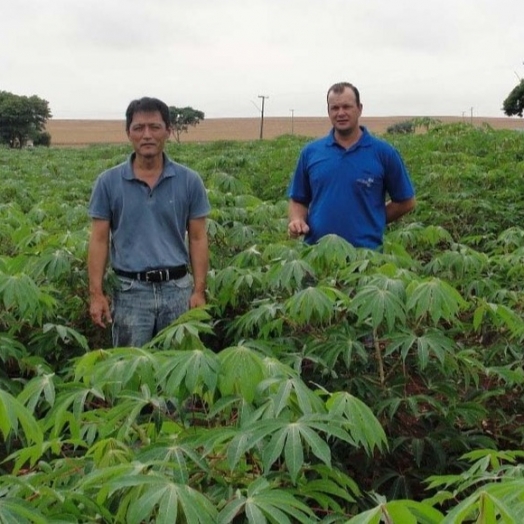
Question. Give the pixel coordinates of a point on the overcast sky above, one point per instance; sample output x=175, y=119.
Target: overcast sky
x=90, y=58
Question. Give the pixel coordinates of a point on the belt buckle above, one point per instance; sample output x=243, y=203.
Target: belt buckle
x=154, y=276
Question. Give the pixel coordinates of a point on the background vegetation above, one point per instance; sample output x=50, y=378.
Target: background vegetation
x=270, y=406
x=23, y=120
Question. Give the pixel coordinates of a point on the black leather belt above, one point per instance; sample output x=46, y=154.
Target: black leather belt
x=155, y=275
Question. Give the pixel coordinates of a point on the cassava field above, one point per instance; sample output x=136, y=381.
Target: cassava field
x=267, y=406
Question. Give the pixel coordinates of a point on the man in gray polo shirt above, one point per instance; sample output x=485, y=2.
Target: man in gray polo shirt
x=141, y=211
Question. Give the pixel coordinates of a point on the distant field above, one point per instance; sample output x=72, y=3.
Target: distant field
x=84, y=132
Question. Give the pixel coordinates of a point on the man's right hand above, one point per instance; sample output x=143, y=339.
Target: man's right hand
x=297, y=227
x=100, y=311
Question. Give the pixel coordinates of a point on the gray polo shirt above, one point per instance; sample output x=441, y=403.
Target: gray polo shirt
x=148, y=226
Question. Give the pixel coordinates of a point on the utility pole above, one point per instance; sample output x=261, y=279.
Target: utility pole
x=292, y=121
x=263, y=97
x=471, y=117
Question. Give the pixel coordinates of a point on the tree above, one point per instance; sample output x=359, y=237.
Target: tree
x=22, y=118
x=401, y=128
x=514, y=103
x=183, y=117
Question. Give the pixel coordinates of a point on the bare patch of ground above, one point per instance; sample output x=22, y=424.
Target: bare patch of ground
x=85, y=132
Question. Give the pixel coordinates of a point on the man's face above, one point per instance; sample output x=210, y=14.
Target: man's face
x=344, y=111
x=148, y=133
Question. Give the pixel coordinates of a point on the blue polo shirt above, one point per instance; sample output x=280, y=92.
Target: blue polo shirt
x=148, y=226
x=345, y=189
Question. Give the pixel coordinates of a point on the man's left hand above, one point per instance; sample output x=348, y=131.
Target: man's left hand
x=198, y=299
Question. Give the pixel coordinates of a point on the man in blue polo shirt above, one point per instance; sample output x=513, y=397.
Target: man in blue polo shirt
x=341, y=181
x=141, y=212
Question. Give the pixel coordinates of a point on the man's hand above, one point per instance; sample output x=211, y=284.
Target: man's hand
x=100, y=311
x=198, y=299
x=297, y=227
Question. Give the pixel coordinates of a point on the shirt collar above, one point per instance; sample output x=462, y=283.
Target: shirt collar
x=363, y=141
x=128, y=174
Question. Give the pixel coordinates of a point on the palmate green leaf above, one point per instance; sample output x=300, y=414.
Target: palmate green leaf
x=380, y=305
x=241, y=234
x=293, y=451
x=325, y=492
x=84, y=364
x=431, y=343
x=241, y=370
x=122, y=420
x=291, y=440
x=180, y=459
x=435, y=299
x=184, y=332
x=330, y=481
x=20, y=294
x=332, y=252
x=265, y=503
x=413, y=511
x=125, y=368
x=279, y=251
x=39, y=387
x=215, y=229
x=226, y=183
x=196, y=370
x=28, y=236
x=401, y=511
x=33, y=454
x=250, y=257
x=18, y=511
x=262, y=317
x=487, y=507
x=232, y=284
x=155, y=496
x=512, y=374
x=288, y=274
x=53, y=263
x=70, y=404
x=53, y=336
x=11, y=348
x=109, y=452
x=338, y=346
x=415, y=235
x=52, y=492
x=291, y=393
x=314, y=304
x=500, y=315
x=14, y=414
x=364, y=427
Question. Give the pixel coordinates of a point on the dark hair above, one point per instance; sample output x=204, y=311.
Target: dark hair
x=339, y=88
x=147, y=104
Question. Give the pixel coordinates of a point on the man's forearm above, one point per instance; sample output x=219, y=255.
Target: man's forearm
x=395, y=210
x=297, y=211
x=199, y=255
x=96, y=266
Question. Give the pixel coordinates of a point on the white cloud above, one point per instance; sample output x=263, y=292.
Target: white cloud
x=408, y=57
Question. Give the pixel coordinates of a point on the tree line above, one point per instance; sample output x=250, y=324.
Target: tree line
x=23, y=120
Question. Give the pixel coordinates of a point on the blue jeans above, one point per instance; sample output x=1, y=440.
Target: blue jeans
x=142, y=309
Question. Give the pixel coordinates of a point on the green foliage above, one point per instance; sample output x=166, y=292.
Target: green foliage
x=183, y=117
x=42, y=139
x=401, y=128
x=22, y=118
x=320, y=383
x=514, y=102
x=410, y=126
